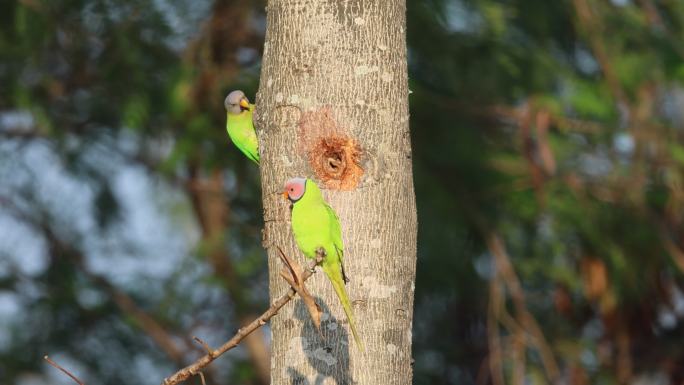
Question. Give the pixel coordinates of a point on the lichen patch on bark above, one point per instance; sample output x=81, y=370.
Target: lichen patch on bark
x=333, y=155
x=376, y=289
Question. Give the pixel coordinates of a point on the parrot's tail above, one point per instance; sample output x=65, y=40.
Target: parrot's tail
x=335, y=276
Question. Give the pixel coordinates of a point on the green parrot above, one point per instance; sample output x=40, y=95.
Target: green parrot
x=315, y=225
x=239, y=124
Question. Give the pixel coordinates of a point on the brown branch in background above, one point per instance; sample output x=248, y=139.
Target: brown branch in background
x=652, y=14
x=656, y=22
x=147, y=323
x=675, y=252
x=518, y=353
x=513, y=115
x=542, y=124
x=518, y=340
x=124, y=302
x=212, y=212
x=213, y=55
x=623, y=361
x=505, y=273
x=22, y=134
x=524, y=317
x=68, y=373
x=202, y=362
x=593, y=29
x=493, y=338
x=528, y=151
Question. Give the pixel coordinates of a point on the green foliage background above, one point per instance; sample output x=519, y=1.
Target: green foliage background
x=548, y=161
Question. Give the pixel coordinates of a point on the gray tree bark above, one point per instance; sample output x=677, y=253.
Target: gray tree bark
x=333, y=106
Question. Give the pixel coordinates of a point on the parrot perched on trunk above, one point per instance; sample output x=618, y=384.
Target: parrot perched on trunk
x=316, y=226
x=239, y=124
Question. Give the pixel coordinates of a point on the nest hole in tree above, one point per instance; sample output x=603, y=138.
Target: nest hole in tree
x=335, y=163
x=335, y=160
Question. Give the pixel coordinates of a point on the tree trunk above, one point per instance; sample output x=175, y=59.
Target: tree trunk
x=332, y=106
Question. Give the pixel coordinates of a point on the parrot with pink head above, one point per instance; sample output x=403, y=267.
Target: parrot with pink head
x=315, y=226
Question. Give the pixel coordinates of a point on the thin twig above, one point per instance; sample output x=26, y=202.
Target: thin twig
x=196, y=367
x=68, y=373
x=292, y=266
x=207, y=348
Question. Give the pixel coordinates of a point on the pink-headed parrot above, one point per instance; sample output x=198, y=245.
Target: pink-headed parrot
x=240, y=126
x=315, y=225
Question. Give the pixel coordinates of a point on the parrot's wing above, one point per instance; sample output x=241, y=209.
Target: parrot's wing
x=248, y=145
x=244, y=137
x=335, y=230
x=251, y=150
x=336, y=236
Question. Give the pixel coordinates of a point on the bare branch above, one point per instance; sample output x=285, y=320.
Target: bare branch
x=493, y=337
x=196, y=367
x=295, y=280
x=505, y=269
x=673, y=249
x=68, y=373
x=591, y=24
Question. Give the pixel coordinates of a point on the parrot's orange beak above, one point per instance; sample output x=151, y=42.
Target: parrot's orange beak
x=285, y=194
x=244, y=103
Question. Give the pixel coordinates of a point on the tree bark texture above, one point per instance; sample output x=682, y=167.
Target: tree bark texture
x=333, y=106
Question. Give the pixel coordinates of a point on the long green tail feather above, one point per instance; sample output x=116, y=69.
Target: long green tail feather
x=335, y=276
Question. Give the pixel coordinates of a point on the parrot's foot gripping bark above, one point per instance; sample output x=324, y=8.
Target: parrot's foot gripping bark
x=320, y=256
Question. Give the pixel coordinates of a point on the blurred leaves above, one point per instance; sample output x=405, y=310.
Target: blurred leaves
x=100, y=121
x=521, y=133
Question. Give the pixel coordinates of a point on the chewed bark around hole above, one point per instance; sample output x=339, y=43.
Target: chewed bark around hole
x=335, y=160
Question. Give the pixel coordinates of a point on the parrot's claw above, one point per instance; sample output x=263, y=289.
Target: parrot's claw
x=344, y=275
x=320, y=255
